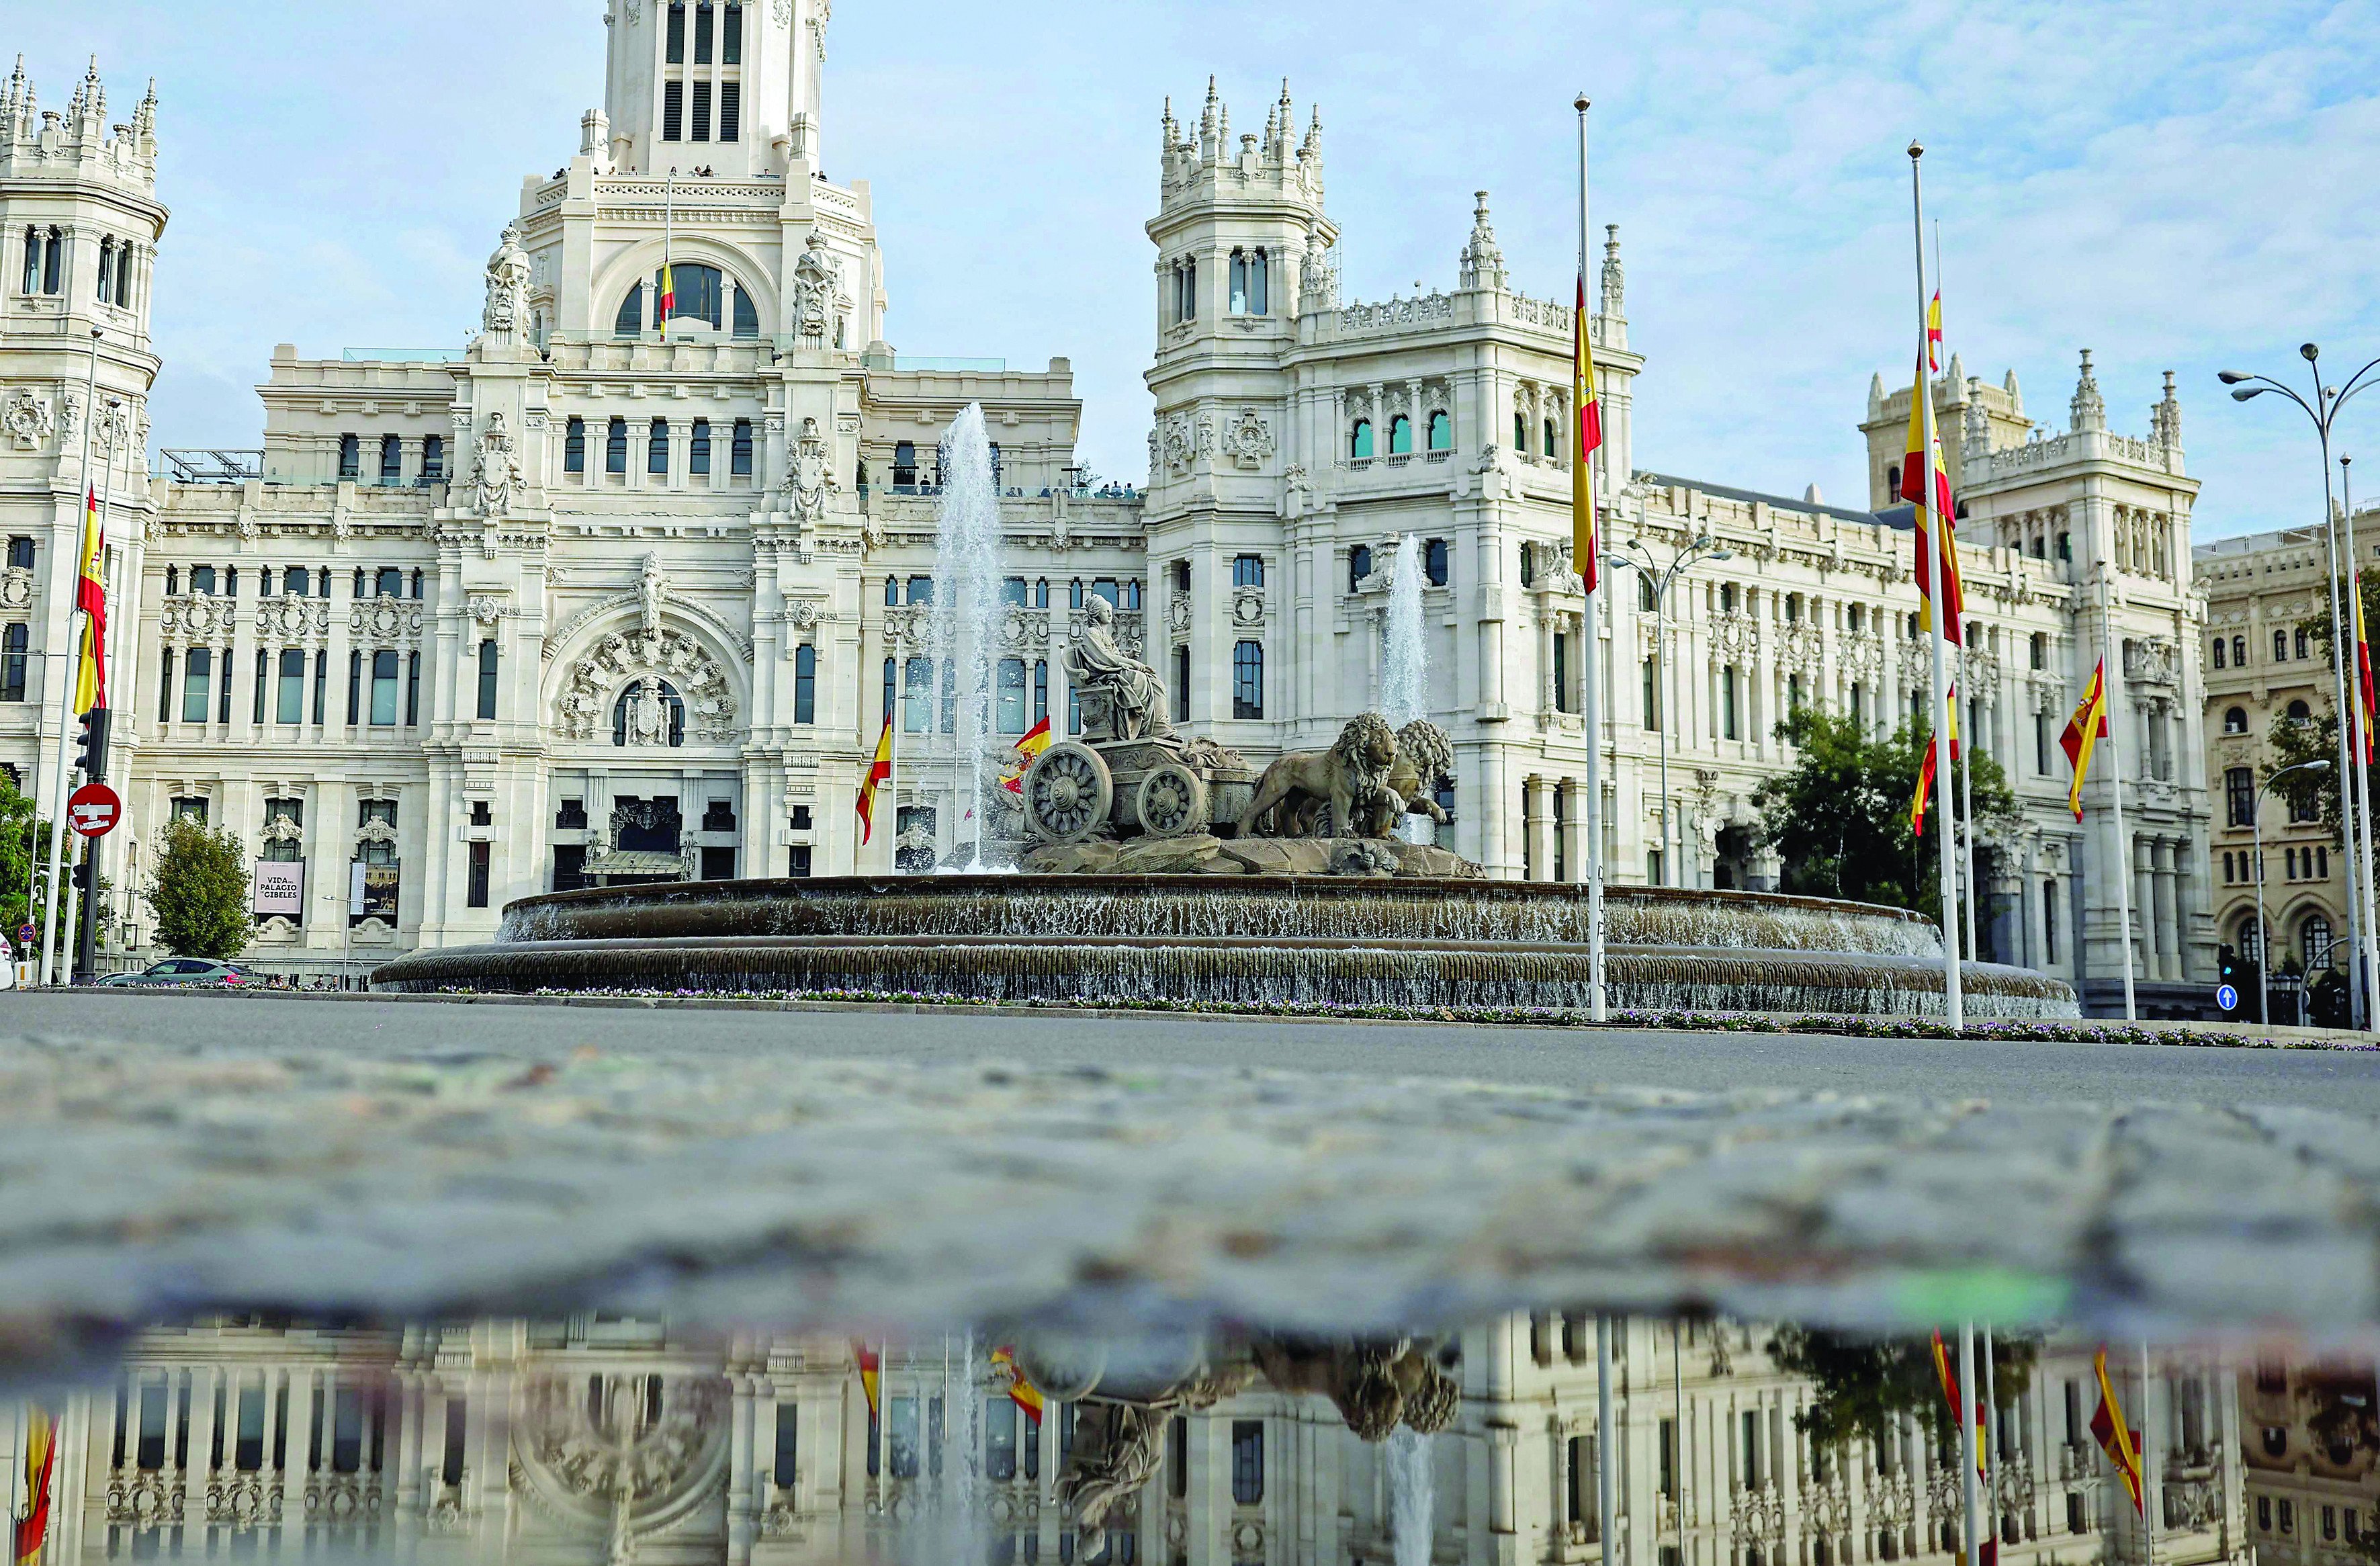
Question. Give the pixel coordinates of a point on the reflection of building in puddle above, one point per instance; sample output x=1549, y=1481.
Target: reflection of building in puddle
x=2312, y=1451
x=611, y=1441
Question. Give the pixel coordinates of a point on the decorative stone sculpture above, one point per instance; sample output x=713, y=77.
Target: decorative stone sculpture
x=508, y=280
x=497, y=469
x=807, y=478
x=1123, y=698
x=648, y=714
x=1352, y=775
x=28, y=420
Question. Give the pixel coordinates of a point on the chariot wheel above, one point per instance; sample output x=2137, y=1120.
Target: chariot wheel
x=1171, y=802
x=1068, y=792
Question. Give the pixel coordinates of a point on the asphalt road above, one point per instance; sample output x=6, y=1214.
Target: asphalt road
x=2001, y=1072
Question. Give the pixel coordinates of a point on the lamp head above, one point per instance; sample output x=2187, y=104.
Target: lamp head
x=2245, y=393
x=2309, y=352
x=2231, y=377
x=1723, y=554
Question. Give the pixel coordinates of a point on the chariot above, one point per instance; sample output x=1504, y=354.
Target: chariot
x=1156, y=786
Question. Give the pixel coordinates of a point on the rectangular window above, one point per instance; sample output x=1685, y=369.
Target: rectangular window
x=152, y=1398
x=1182, y=682
x=702, y=20
x=2239, y=794
x=450, y=1455
x=1248, y=1461
x=673, y=111
x=1578, y=1481
x=1008, y=693
x=487, y=679
x=263, y=663
x=1248, y=679
x=392, y=459
x=697, y=452
x=701, y=112
x=569, y=867
x=1040, y=690
x=1669, y=1458
x=20, y=553
x=1751, y=1449
x=739, y=455
x=165, y=689
x=731, y=111
x=788, y=1427
x=1726, y=703
x=14, y=650
x=355, y=687
x=1652, y=697
x=412, y=690
x=346, y=1429
x=383, y=689
x=477, y=893
x=2049, y=919
x=805, y=684
x=1561, y=672
x=248, y=1444
x=657, y=449
x=1247, y=571
x=194, y=684
x=719, y=864
x=615, y=447
x=797, y=860
x=351, y=457
x=573, y=447
x=918, y=696
x=321, y=682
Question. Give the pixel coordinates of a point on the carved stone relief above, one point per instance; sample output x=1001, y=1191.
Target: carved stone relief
x=30, y=420
x=643, y=656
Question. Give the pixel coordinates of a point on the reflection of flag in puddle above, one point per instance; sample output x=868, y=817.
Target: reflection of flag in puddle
x=1024, y=1393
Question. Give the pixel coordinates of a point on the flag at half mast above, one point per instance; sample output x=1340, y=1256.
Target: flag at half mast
x=2367, y=707
x=879, y=771
x=41, y=1466
x=1926, y=482
x=2115, y=1438
x=1926, y=772
x=1586, y=555
x=91, y=596
x=1933, y=328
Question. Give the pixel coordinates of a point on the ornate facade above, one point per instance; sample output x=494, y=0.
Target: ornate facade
x=604, y=1441
x=585, y=601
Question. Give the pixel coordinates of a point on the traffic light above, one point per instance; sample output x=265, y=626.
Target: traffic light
x=2227, y=964
x=92, y=746
x=79, y=878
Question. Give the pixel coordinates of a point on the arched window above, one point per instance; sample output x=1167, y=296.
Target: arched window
x=54, y=261
x=615, y=447
x=2300, y=712
x=434, y=457
x=670, y=700
x=106, y=271
x=2218, y=653
x=1359, y=565
x=388, y=582
x=630, y=322
x=904, y=465
x=574, y=446
x=1260, y=285
x=2240, y=652
x=2301, y=642
x=123, y=275
x=698, y=453
x=2235, y=721
x=202, y=579
x=2249, y=945
x=2281, y=647
x=1400, y=436
x=1892, y=480
x=1441, y=432
x=1239, y=297
x=1435, y=562
x=33, y=259
x=1549, y=437
x=739, y=450
x=295, y=581
x=747, y=318
x=698, y=291
x=1359, y=446
x=416, y=585
x=1520, y=433
x=657, y=449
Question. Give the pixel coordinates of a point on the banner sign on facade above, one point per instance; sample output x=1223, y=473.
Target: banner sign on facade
x=278, y=889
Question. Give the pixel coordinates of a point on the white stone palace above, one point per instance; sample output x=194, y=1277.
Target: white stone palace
x=582, y=602
x=601, y=1440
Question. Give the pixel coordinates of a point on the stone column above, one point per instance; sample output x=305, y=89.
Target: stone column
x=1573, y=829
x=2168, y=925
x=197, y=1464
x=298, y=1430
x=2145, y=908
x=1539, y=797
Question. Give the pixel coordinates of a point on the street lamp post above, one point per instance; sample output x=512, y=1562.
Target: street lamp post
x=2257, y=874
x=2355, y=826
x=1701, y=548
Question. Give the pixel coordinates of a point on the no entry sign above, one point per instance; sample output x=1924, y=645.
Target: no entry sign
x=93, y=809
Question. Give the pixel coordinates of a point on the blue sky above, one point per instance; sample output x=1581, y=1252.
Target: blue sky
x=2174, y=184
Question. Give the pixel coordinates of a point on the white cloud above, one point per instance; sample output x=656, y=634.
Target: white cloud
x=2173, y=185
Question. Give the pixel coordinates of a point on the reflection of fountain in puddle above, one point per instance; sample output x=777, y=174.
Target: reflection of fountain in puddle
x=1412, y=1497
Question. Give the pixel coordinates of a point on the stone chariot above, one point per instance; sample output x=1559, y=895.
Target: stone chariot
x=1152, y=785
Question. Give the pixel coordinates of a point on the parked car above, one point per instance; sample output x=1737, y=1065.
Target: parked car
x=184, y=971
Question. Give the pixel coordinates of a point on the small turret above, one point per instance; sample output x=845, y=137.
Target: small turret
x=1482, y=264
x=2164, y=423
x=1615, y=281
x=2088, y=409
x=1206, y=143
x=2015, y=398
x=1876, y=395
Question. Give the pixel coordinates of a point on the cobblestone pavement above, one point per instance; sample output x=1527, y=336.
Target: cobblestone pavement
x=293, y=1169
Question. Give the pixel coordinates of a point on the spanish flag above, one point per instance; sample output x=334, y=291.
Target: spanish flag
x=2370, y=712
x=1021, y=1393
x=1584, y=547
x=2107, y=1428
x=1924, y=792
x=1926, y=482
x=1934, y=332
x=1949, y=1377
x=1036, y=741
x=879, y=771
x=2084, y=730
x=91, y=596
x=41, y=1462
x=669, y=298
x=871, y=1376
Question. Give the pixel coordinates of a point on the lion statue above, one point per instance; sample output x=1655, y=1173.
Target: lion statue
x=1116, y=1455
x=1352, y=776
x=1425, y=759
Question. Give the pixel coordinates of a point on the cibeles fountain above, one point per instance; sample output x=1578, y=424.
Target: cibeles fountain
x=1160, y=864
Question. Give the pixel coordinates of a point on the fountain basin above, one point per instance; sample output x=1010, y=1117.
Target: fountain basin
x=1110, y=939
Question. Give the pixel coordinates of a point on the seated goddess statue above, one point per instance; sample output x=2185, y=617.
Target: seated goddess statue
x=1135, y=698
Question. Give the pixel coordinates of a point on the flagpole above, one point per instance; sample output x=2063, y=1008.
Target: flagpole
x=1966, y=1418
x=2148, y=1468
x=1962, y=816
x=1937, y=541
x=2112, y=713
x=2358, y=865
x=51, y=958
x=1590, y=659
x=892, y=752
x=1991, y=1427
x=669, y=218
x=86, y=962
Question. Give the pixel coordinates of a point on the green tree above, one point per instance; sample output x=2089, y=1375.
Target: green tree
x=199, y=887
x=1839, y=818
x=2316, y=736
x=1860, y=1384
x=24, y=842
